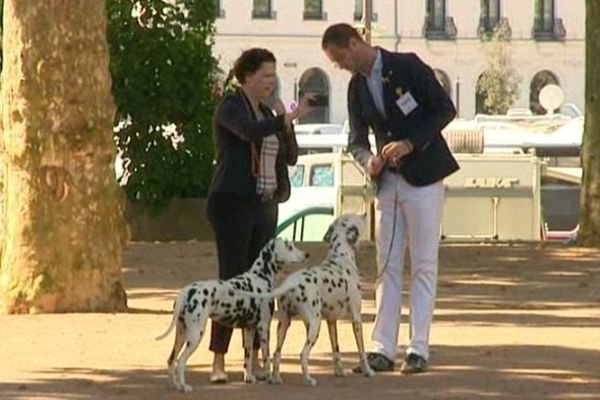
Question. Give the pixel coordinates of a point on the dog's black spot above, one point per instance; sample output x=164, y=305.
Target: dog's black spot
x=192, y=306
x=182, y=322
x=266, y=256
x=190, y=294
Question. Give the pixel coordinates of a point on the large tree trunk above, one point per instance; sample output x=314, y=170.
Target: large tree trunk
x=589, y=227
x=62, y=221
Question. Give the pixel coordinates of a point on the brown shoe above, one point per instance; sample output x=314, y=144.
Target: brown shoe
x=378, y=363
x=413, y=364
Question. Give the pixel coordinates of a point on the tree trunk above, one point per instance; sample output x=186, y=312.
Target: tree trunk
x=61, y=208
x=589, y=226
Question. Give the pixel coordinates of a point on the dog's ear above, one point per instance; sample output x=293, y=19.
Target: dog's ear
x=327, y=237
x=352, y=235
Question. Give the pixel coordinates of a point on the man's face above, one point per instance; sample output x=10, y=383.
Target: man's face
x=344, y=57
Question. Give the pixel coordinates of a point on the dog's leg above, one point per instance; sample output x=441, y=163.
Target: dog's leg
x=263, y=334
x=313, y=324
x=335, y=348
x=360, y=344
x=248, y=341
x=282, y=327
x=194, y=333
x=172, y=361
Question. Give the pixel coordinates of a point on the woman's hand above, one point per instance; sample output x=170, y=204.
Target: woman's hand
x=301, y=109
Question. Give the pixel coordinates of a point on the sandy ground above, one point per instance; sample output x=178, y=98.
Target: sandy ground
x=512, y=322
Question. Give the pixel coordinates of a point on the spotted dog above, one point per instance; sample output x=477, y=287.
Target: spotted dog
x=329, y=291
x=221, y=301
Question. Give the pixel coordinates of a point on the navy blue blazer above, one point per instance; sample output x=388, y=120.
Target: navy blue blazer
x=431, y=159
x=235, y=127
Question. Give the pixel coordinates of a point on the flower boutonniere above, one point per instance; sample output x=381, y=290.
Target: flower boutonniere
x=399, y=92
x=385, y=78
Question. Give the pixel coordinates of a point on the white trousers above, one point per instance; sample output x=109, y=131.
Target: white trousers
x=414, y=214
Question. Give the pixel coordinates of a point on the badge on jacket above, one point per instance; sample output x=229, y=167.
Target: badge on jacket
x=406, y=103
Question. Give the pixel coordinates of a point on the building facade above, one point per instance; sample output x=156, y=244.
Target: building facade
x=547, y=44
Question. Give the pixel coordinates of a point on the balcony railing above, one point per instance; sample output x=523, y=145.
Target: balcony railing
x=487, y=27
x=447, y=32
x=358, y=16
x=544, y=33
x=270, y=14
x=314, y=15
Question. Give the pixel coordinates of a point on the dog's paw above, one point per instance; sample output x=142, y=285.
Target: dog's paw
x=308, y=381
x=250, y=379
x=339, y=371
x=275, y=380
x=369, y=373
x=184, y=388
x=261, y=375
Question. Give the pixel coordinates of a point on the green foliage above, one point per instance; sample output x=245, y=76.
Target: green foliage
x=499, y=83
x=163, y=75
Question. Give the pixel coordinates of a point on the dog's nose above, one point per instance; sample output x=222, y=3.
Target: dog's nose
x=306, y=255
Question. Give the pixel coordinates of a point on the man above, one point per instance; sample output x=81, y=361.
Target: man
x=398, y=97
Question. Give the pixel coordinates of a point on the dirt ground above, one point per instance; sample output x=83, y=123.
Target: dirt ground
x=517, y=321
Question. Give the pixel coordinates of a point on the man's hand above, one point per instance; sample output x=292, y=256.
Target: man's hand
x=301, y=109
x=375, y=165
x=394, y=151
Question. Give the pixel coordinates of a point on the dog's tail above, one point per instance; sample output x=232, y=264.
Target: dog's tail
x=176, y=311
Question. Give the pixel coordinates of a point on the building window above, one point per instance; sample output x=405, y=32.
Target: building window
x=490, y=16
x=262, y=10
x=545, y=25
x=315, y=81
x=437, y=24
x=359, y=10
x=313, y=9
x=444, y=81
x=538, y=82
x=436, y=15
x=544, y=15
x=219, y=13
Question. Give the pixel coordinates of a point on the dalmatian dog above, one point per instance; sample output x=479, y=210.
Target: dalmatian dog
x=219, y=300
x=329, y=291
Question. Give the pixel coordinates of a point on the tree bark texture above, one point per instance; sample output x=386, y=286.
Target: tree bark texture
x=61, y=207
x=589, y=226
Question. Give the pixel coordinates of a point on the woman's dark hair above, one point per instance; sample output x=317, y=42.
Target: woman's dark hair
x=339, y=35
x=250, y=61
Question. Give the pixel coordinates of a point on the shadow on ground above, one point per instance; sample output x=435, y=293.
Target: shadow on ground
x=497, y=372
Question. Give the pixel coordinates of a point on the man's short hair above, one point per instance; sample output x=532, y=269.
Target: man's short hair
x=339, y=35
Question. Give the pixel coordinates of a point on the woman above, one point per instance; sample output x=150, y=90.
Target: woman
x=253, y=148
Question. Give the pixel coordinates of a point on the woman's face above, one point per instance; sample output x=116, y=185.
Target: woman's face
x=261, y=83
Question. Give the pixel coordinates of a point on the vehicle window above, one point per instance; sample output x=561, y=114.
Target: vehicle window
x=297, y=176
x=321, y=175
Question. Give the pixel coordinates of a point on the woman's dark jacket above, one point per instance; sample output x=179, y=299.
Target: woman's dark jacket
x=235, y=127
